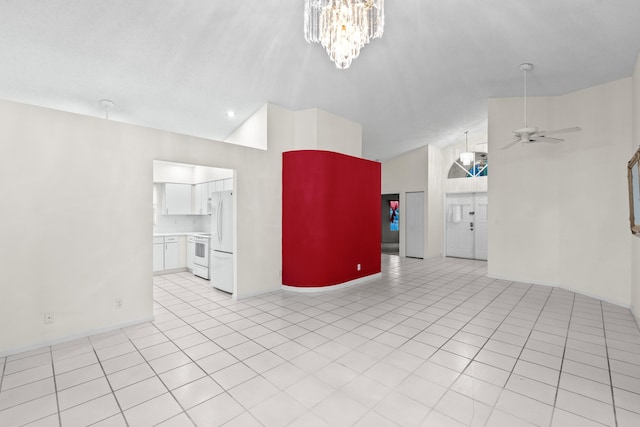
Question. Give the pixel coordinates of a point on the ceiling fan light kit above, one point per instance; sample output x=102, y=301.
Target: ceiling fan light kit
x=529, y=134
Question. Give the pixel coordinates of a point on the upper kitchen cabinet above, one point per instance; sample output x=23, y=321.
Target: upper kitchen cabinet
x=227, y=184
x=177, y=199
x=182, y=189
x=200, y=198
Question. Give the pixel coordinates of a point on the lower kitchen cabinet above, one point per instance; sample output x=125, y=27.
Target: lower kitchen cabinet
x=171, y=253
x=158, y=254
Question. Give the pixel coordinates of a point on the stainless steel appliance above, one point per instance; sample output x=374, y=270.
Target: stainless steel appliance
x=201, y=255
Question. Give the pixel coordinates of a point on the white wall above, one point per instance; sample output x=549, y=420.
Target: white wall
x=339, y=134
x=316, y=129
x=172, y=172
x=77, y=217
x=206, y=174
x=188, y=174
x=305, y=129
x=559, y=212
x=251, y=132
x=435, y=203
x=635, y=240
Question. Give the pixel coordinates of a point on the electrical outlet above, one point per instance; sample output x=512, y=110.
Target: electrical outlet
x=48, y=318
x=358, y=267
x=119, y=304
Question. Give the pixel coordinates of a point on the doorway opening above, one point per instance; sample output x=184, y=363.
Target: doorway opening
x=390, y=214
x=193, y=222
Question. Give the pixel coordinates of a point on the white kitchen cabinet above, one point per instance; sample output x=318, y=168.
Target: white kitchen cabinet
x=158, y=254
x=201, y=196
x=177, y=199
x=190, y=251
x=182, y=252
x=227, y=184
x=219, y=185
x=171, y=252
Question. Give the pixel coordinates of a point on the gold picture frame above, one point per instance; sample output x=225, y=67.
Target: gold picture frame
x=633, y=176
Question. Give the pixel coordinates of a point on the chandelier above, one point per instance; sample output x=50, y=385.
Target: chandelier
x=343, y=27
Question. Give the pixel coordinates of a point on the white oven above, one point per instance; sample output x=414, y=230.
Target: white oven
x=201, y=255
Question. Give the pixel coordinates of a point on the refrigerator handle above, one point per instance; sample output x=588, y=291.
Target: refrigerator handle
x=219, y=221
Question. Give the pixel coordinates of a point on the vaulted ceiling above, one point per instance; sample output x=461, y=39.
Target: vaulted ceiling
x=179, y=65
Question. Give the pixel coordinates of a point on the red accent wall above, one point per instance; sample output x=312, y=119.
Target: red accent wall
x=330, y=218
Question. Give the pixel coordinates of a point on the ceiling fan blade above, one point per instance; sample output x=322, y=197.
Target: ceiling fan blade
x=545, y=139
x=553, y=132
x=511, y=144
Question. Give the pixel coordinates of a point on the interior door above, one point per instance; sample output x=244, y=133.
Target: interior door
x=466, y=225
x=414, y=225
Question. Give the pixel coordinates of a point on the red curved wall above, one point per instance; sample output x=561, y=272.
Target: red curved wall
x=330, y=218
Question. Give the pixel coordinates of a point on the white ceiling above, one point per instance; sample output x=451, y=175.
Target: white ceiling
x=179, y=65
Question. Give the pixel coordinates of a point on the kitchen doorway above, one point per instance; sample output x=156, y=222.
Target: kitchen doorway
x=390, y=214
x=192, y=206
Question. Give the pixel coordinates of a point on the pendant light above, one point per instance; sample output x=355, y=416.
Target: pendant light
x=468, y=156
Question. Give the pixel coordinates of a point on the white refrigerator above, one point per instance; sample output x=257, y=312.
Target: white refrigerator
x=222, y=240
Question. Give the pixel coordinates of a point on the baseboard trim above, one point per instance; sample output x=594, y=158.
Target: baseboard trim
x=83, y=334
x=331, y=287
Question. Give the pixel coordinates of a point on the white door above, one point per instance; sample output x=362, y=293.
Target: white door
x=466, y=226
x=414, y=225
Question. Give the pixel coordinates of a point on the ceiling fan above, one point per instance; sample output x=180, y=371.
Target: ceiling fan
x=530, y=134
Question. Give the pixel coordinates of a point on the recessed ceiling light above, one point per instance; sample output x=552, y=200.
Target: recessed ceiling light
x=231, y=114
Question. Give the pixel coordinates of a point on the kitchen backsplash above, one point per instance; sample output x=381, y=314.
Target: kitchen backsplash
x=181, y=223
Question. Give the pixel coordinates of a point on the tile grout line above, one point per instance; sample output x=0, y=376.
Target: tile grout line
x=606, y=347
x=4, y=367
x=564, y=350
x=113, y=393
x=55, y=386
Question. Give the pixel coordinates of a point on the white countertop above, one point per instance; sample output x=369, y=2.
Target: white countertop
x=180, y=233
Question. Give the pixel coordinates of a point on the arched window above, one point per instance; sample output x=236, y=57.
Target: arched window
x=479, y=167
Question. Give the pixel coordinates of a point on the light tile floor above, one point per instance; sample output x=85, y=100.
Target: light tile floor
x=431, y=343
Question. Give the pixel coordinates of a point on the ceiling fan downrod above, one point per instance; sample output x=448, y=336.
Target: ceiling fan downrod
x=525, y=67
